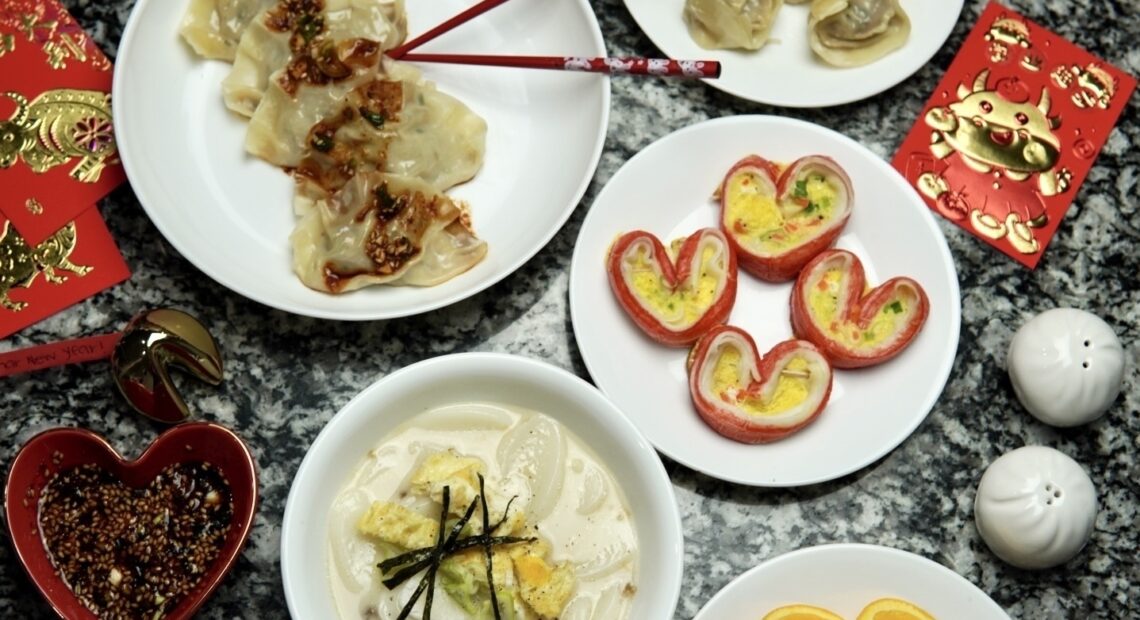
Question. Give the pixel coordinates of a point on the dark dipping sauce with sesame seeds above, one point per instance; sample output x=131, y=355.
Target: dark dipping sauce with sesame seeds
x=135, y=553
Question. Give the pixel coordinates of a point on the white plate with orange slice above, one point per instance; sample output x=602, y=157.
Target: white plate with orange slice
x=850, y=582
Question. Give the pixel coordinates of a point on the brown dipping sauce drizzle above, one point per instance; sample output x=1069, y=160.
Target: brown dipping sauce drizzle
x=135, y=553
x=388, y=244
x=316, y=59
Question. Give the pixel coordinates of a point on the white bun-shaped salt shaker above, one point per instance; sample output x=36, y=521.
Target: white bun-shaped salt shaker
x=1067, y=366
x=1035, y=507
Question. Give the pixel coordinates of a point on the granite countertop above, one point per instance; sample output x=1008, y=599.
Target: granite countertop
x=287, y=375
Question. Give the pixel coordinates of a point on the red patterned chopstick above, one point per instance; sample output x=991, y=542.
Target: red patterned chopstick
x=458, y=20
x=613, y=66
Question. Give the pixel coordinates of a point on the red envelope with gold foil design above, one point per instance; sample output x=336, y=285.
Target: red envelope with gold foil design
x=1011, y=132
x=71, y=264
x=57, y=147
x=57, y=158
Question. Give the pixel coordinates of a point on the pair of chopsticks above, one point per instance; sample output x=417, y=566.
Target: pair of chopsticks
x=613, y=66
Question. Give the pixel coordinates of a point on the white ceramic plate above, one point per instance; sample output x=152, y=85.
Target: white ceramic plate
x=786, y=72
x=231, y=214
x=844, y=579
x=479, y=377
x=665, y=189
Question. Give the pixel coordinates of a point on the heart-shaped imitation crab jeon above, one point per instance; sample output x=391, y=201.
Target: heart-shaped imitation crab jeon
x=674, y=295
x=779, y=220
x=854, y=326
x=754, y=399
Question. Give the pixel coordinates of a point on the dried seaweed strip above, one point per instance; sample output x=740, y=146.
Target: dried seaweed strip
x=487, y=550
x=412, y=562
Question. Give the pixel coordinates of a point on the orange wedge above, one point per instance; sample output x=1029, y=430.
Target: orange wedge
x=800, y=612
x=893, y=609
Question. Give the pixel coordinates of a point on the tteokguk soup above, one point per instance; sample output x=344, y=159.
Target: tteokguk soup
x=472, y=507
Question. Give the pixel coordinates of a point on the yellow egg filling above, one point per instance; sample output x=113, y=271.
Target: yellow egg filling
x=824, y=297
x=687, y=303
x=765, y=226
x=823, y=301
x=751, y=211
x=791, y=390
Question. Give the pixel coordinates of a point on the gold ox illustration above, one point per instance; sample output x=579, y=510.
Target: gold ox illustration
x=57, y=127
x=21, y=264
x=1000, y=144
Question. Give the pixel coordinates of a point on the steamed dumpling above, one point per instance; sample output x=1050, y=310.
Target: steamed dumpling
x=849, y=33
x=265, y=49
x=423, y=133
x=369, y=186
x=731, y=24
x=383, y=229
x=214, y=27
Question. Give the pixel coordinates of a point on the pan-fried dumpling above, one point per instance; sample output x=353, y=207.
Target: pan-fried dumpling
x=383, y=229
x=849, y=33
x=414, y=131
x=732, y=24
x=297, y=42
x=280, y=125
x=214, y=27
x=438, y=139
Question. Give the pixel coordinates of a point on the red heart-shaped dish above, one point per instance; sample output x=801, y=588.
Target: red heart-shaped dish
x=113, y=493
x=674, y=300
x=754, y=399
x=778, y=222
x=854, y=327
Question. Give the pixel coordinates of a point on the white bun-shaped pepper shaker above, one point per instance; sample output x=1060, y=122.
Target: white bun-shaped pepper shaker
x=1067, y=366
x=1035, y=507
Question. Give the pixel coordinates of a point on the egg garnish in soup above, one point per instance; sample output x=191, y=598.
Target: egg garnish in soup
x=481, y=512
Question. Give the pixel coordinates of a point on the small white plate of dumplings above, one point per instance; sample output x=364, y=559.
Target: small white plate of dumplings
x=801, y=53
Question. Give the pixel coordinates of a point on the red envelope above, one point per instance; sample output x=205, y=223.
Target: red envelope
x=74, y=263
x=1011, y=132
x=57, y=146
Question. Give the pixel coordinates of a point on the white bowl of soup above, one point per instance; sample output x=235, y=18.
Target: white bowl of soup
x=475, y=474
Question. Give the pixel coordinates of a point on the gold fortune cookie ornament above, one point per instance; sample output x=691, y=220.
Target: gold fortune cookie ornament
x=153, y=342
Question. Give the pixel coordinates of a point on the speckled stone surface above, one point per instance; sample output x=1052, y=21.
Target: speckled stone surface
x=286, y=376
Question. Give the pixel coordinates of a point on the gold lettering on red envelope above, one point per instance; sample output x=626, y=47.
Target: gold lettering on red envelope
x=57, y=145
x=1011, y=132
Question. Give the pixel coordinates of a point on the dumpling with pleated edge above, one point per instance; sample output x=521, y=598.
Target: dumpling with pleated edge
x=731, y=24
x=421, y=132
x=320, y=40
x=383, y=229
x=850, y=33
x=213, y=28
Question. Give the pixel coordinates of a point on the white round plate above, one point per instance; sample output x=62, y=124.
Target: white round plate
x=231, y=214
x=844, y=579
x=785, y=72
x=665, y=189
